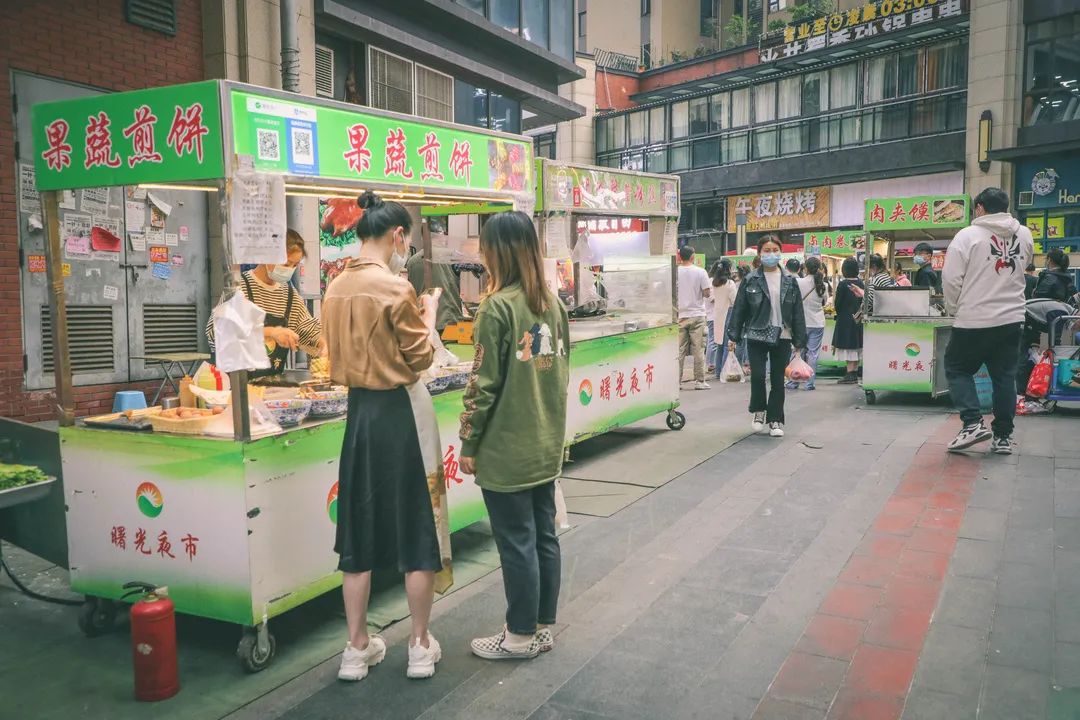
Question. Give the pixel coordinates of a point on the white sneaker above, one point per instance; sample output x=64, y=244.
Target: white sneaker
x=355, y=663
x=422, y=659
x=970, y=435
x=758, y=423
x=776, y=429
x=702, y=385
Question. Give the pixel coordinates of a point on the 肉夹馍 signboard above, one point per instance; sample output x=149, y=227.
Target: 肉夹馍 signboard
x=833, y=242
x=567, y=187
x=917, y=213
x=871, y=20
x=156, y=135
x=781, y=210
x=303, y=139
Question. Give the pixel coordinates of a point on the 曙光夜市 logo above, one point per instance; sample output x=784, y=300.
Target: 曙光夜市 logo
x=149, y=499
x=331, y=504
x=912, y=349
x=585, y=392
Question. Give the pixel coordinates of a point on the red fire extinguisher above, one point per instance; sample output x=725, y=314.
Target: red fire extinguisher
x=153, y=643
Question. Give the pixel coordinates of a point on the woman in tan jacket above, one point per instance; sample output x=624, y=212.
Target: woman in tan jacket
x=391, y=494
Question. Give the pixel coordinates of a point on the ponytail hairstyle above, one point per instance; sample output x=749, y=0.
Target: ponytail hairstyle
x=1058, y=258
x=512, y=256
x=813, y=268
x=380, y=216
x=721, y=273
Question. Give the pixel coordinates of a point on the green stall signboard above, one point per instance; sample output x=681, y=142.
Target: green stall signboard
x=608, y=192
x=833, y=242
x=918, y=213
x=170, y=134
x=305, y=139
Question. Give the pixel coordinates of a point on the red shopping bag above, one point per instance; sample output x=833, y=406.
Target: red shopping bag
x=1039, y=384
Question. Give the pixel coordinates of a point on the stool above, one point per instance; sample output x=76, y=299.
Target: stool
x=129, y=400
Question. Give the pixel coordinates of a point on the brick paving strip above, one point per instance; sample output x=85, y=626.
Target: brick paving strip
x=857, y=655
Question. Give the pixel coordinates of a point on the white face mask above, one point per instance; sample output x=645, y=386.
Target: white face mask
x=282, y=274
x=397, y=261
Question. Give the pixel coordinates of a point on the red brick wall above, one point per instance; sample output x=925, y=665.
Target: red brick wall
x=87, y=42
x=699, y=70
x=613, y=90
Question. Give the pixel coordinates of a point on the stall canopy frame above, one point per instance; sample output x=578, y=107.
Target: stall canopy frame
x=198, y=136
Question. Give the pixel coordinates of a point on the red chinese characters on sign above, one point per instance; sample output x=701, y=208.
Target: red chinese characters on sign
x=190, y=546
x=358, y=156
x=635, y=385
x=877, y=214
x=187, y=131
x=907, y=366
x=141, y=133
x=140, y=542
x=397, y=157
x=621, y=385
x=118, y=539
x=451, y=467
x=99, y=150
x=898, y=214
x=461, y=162
x=920, y=212
x=164, y=547
x=620, y=382
x=649, y=374
x=58, y=156
x=430, y=152
x=605, y=389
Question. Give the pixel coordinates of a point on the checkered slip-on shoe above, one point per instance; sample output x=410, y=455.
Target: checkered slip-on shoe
x=545, y=639
x=491, y=648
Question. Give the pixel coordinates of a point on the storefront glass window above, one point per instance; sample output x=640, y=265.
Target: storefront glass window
x=699, y=116
x=765, y=103
x=740, y=107
x=657, y=125
x=680, y=120
x=843, y=82
x=637, y=128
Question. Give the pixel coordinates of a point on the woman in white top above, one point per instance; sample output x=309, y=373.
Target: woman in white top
x=815, y=296
x=724, y=291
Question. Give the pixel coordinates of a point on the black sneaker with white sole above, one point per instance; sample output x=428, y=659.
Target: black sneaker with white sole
x=1001, y=445
x=970, y=435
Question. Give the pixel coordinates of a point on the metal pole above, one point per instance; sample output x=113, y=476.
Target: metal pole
x=290, y=81
x=54, y=269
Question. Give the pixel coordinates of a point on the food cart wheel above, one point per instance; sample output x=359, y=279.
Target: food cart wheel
x=97, y=616
x=675, y=420
x=871, y=397
x=256, y=649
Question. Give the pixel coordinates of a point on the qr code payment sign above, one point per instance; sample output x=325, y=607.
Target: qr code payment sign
x=269, y=144
x=302, y=146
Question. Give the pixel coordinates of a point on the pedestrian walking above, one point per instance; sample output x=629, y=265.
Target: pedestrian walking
x=1055, y=282
x=512, y=430
x=983, y=282
x=693, y=288
x=815, y=296
x=724, y=291
x=769, y=315
x=848, y=332
x=794, y=267
x=391, y=496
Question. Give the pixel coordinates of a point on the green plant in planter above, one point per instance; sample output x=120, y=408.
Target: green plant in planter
x=812, y=9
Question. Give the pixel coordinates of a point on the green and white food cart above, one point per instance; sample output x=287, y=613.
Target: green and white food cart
x=905, y=336
x=239, y=528
x=832, y=247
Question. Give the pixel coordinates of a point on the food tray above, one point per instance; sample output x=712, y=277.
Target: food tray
x=26, y=493
x=190, y=426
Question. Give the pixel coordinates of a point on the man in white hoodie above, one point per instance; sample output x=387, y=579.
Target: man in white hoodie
x=983, y=282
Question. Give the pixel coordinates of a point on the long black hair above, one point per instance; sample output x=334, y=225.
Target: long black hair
x=850, y=269
x=380, y=216
x=813, y=269
x=721, y=273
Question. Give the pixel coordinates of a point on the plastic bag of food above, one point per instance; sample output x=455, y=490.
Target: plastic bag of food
x=732, y=371
x=797, y=370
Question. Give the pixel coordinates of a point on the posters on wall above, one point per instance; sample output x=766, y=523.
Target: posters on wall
x=29, y=200
x=134, y=215
x=257, y=219
x=95, y=201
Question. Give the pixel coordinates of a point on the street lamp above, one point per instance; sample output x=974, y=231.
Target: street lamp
x=986, y=126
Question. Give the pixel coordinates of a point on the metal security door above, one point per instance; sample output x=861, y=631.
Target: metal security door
x=95, y=283
x=168, y=280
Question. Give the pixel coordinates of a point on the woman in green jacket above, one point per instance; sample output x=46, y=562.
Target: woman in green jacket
x=513, y=427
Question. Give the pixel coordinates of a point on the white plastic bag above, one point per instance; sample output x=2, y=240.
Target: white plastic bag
x=562, y=518
x=238, y=335
x=732, y=370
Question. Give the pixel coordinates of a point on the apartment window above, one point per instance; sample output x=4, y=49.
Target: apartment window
x=909, y=70
x=946, y=65
x=843, y=84
x=581, y=24
x=476, y=6
x=789, y=98
x=765, y=103
x=391, y=81
x=880, y=78
x=505, y=113
x=707, y=18
x=657, y=125
x=434, y=94
x=815, y=93
x=646, y=7
x=506, y=14
x=1052, y=71
x=719, y=111
x=646, y=55
x=637, y=128
x=679, y=158
x=562, y=28
x=740, y=107
x=699, y=116
x=680, y=120
x=534, y=25
x=656, y=161
x=618, y=132
x=544, y=146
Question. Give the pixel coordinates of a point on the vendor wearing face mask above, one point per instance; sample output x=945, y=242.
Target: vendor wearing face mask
x=926, y=276
x=288, y=325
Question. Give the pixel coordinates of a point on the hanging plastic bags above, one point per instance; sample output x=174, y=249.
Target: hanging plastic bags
x=797, y=370
x=1039, y=384
x=732, y=371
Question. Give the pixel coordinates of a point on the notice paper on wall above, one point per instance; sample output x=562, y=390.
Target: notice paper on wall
x=75, y=225
x=159, y=254
x=154, y=236
x=134, y=215
x=67, y=199
x=178, y=260
x=35, y=263
x=172, y=239
x=671, y=237
x=164, y=207
x=29, y=200
x=111, y=292
x=138, y=242
x=77, y=247
x=183, y=233
x=66, y=268
x=162, y=271
x=95, y=201
x=257, y=219
x=157, y=218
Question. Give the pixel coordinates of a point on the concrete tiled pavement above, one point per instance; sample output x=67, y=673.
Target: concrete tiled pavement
x=871, y=577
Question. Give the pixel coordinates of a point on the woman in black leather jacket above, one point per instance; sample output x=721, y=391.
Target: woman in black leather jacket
x=768, y=314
